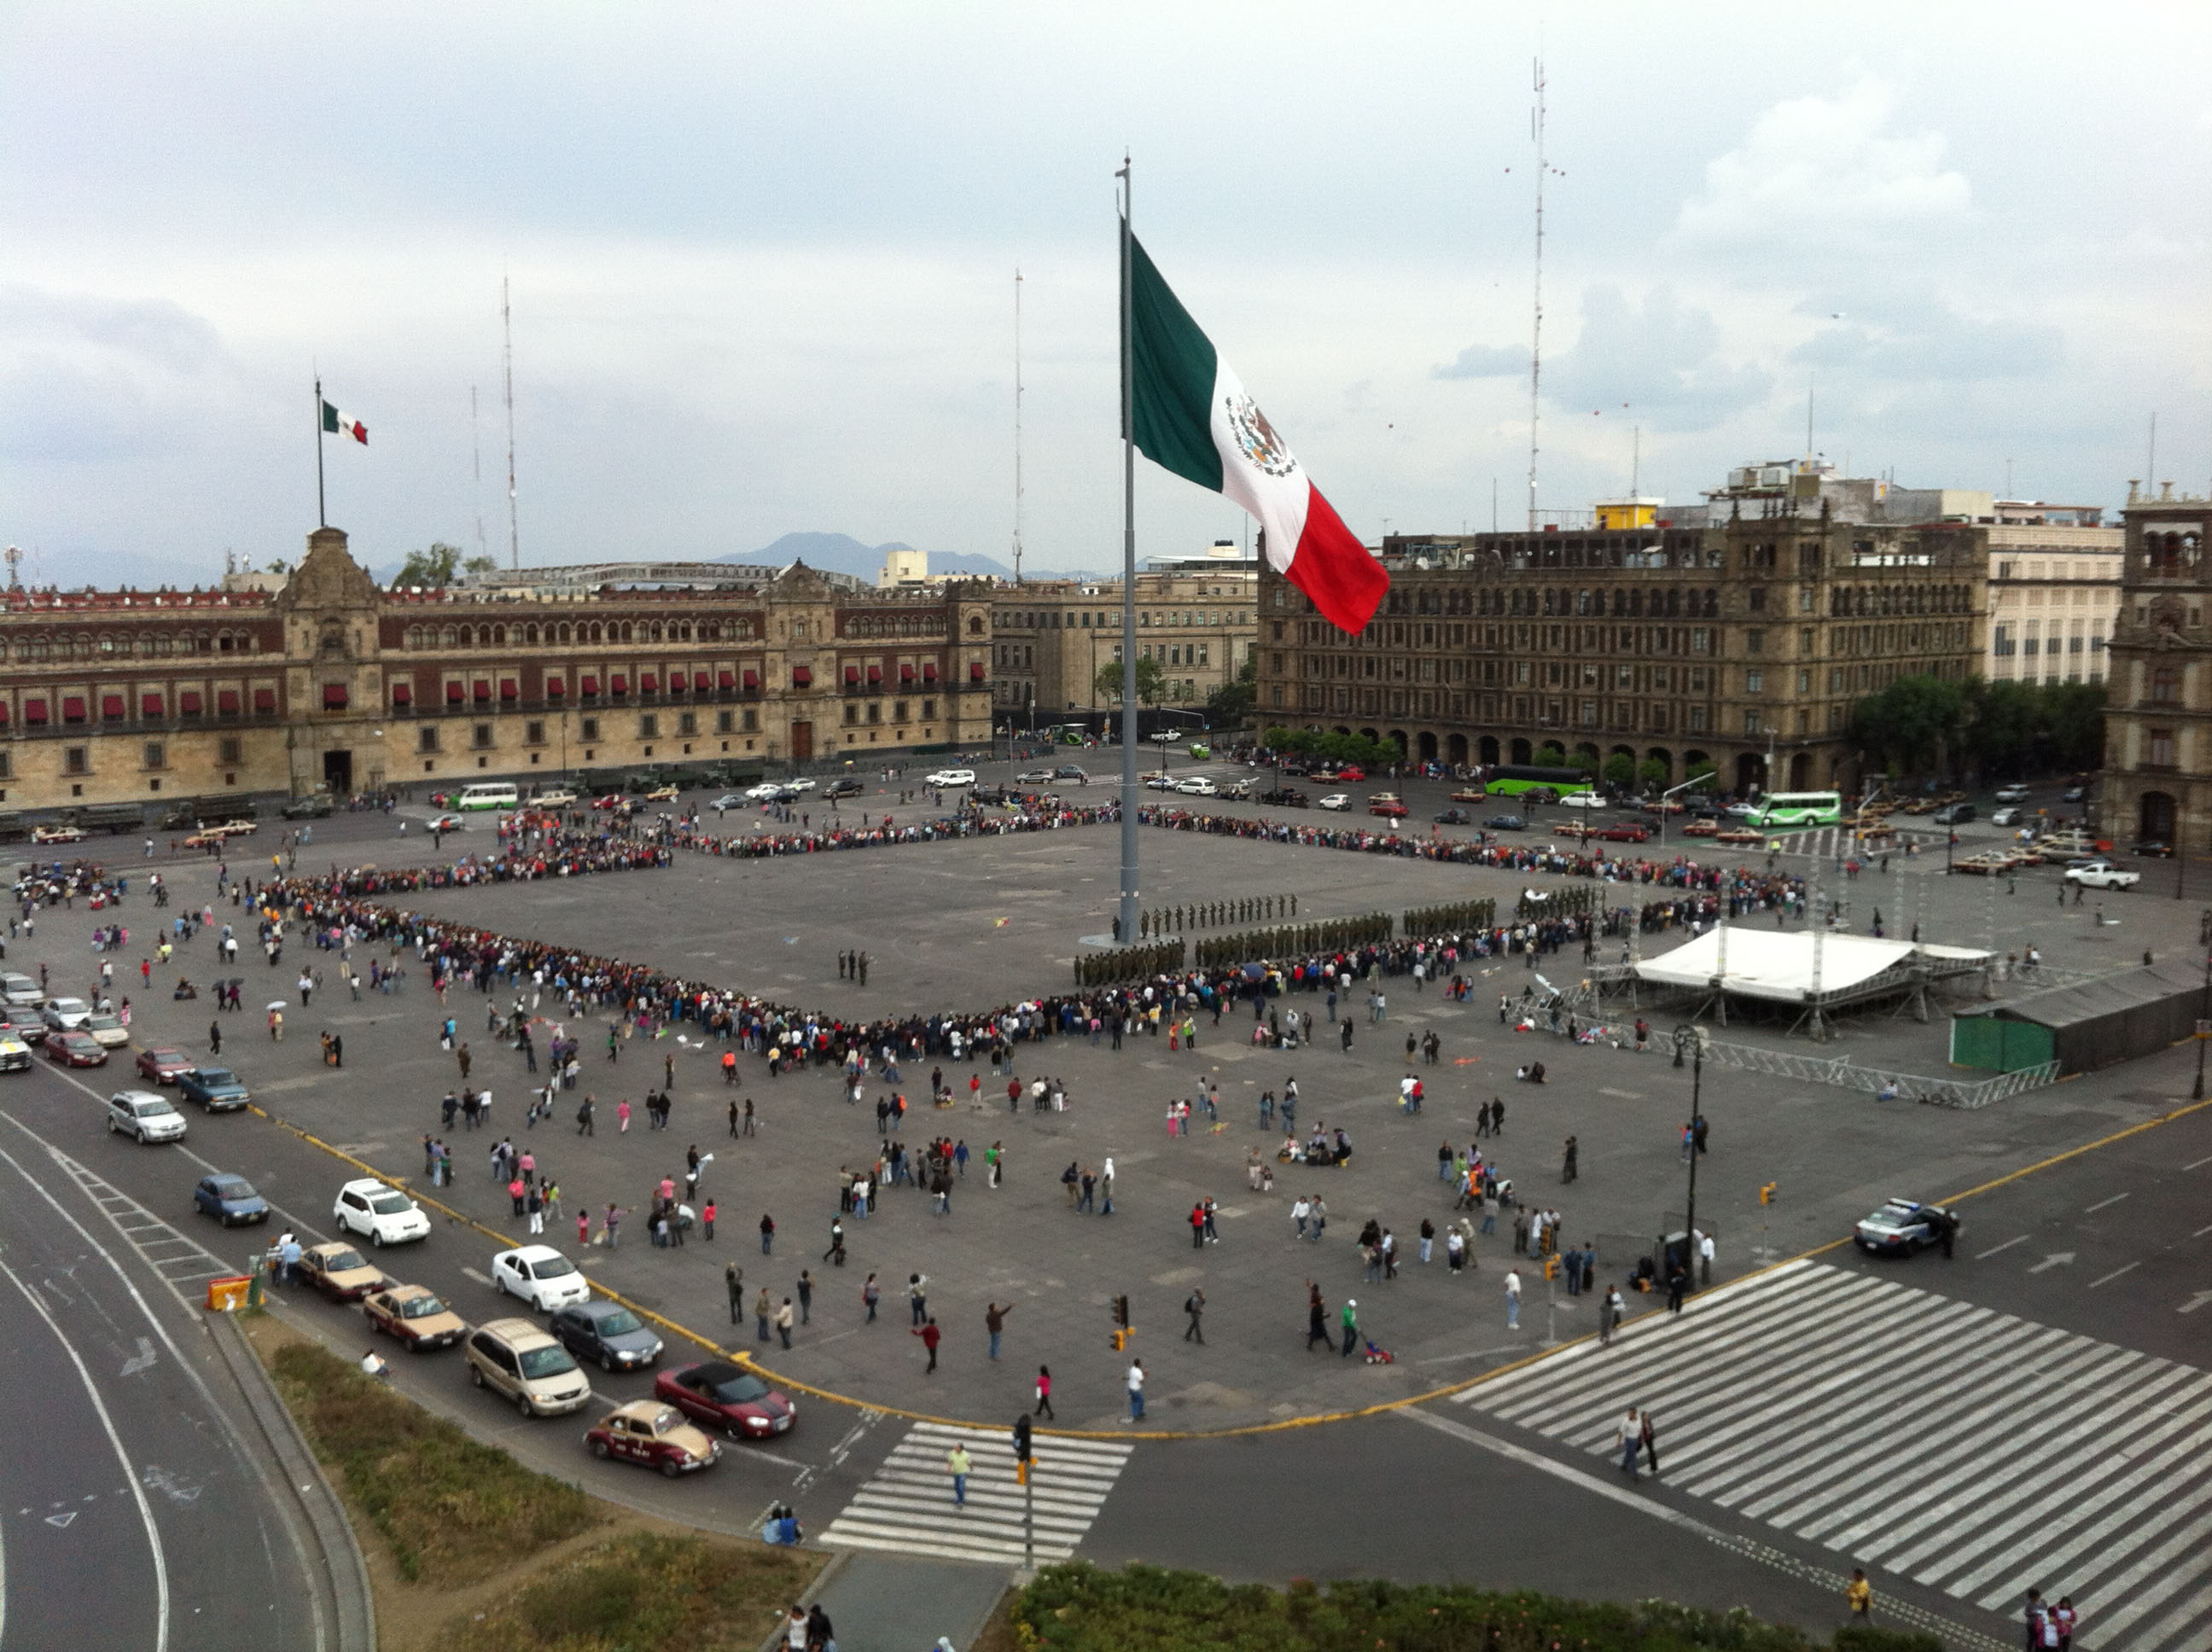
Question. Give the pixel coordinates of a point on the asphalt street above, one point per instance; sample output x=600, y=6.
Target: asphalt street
x=138, y=1506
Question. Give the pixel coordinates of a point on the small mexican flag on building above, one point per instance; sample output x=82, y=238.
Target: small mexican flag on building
x=336, y=424
x=1189, y=414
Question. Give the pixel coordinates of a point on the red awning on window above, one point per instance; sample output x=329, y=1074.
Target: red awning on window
x=226, y=700
x=906, y=673
x=802, y=676
x=403, y=693
x=728, y=679
x=72, y=708
x=752, y=681
x=3, y=714
x=334, y=696
x=111, y=705
x=265, y=700
x=34, y=711
x=851, y=674
x=702, y=682
x=482, y=690
x=618, y=683
x=188, y=702
x=555, y=687
x=647, y=682
x=591, y=686
x=875, y=673
x=929, y=671
x=455, y=694
x=150, y=705
x=975, y=671
x=508, y=689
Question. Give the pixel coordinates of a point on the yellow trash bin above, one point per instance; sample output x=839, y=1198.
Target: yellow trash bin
x=227, y=1294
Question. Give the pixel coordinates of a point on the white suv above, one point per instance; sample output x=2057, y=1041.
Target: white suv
x=541, y=1276
x=380, y=1214
x=144, y=1116
x=1582, y=800
x=951, y=777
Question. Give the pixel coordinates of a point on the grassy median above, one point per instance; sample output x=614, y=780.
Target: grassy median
x=1078, y=1608
x=479, y=1554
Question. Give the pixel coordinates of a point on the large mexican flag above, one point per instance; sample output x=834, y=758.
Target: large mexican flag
x=1189, y=414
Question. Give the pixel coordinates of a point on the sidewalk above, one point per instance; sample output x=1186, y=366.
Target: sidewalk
x=887, y=1603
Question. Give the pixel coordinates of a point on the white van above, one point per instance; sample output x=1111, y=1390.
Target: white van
x=489, y=795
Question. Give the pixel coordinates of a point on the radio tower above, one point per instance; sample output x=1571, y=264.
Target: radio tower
x=513, y=523
x=475, y=466
x=15, y=563
x=1017, y=426
x=1537, y=330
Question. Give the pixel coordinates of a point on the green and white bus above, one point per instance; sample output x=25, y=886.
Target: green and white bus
x=1797, y=809
x=488, y=795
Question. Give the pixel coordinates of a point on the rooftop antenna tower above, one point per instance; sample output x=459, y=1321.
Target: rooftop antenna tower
x=514, y=523
x=475, y=466
x=15, y=554
x=1635, y=460
x=1018, y=425
x=1536, y=329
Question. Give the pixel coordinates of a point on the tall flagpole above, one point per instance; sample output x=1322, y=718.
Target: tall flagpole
x=1126, y=922
x=322, y=514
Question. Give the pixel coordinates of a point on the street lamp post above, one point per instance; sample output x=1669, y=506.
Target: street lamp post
x=1692, y=1039
x=2204, y=1027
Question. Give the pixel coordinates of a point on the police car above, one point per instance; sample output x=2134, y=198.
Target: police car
x=1904, y=1226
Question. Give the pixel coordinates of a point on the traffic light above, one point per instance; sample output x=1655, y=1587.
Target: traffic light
x=1022, y=1450
x=1551, y=1267
x=1770, y=1192
x=1122, y=1329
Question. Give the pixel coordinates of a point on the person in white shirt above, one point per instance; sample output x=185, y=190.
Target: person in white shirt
x=1705, y=1259
x=374, y=1364
x=1135, y=1380
x=1512, y=1299
x=1628, y=1438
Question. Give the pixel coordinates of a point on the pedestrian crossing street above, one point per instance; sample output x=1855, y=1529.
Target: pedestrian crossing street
x=906, y=1506
x=1967, y=1449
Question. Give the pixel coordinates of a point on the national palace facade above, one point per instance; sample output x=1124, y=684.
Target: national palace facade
x=120, y=696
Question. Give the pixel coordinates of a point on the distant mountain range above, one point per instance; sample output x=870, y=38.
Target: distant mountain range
x=841, y=553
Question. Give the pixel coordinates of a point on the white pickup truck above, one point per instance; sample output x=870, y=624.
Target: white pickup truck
x=2102, y=874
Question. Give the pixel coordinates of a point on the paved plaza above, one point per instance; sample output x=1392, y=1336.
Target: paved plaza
x=930, y=917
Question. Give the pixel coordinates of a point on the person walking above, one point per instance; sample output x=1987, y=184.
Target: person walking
x=763, y=1311
x=1134, y=1378
x=1512, y=1299
x=1628, y=1439
x=1859, y=1595
x=961, y=1466
x=767, y=1234
x=783, y=1322
x=870, y=1293
x=1567, y=1172
x=1650, y=1435
x=805, y=1297
x=928, y=1333
x=1043, y=1407
x=995, y=1322
x=1609, y=1313
x=917, y=1297
x=1194, y=1307
x=733, y=1281
x=1348, y=1326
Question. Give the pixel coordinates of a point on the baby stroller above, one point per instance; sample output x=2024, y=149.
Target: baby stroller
x=1375, y=1356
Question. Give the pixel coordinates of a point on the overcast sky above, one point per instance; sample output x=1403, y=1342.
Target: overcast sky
x=762, y=261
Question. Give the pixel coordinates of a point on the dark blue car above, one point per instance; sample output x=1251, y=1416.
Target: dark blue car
x=215, y=1089
x=230, y=1199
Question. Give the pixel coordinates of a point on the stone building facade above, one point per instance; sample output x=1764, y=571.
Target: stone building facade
x=1739, y=643
x=2157, y=784
x=1050, y=638
x=330, y=682
x=2054, y=593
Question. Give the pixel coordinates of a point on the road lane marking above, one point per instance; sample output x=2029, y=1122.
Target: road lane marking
x=2114, y=1274
x=1985, y=1255
x=2101, y=1203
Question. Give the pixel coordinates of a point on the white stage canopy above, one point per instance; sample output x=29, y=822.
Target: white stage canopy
x=1766, y=963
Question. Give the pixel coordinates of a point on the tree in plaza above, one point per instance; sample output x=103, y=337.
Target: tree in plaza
x=1232, y=702
x=1700, y=771
x=1107, y=686
x=438, y=566
x=1335, y=748
x=1915, y=722
x=1551, y=756
x=1619, y=771
x=1652, y=773
x=2074, y=723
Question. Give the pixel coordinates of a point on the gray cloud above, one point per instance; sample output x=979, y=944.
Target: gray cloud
x=1660, y=357
x=1484, y=362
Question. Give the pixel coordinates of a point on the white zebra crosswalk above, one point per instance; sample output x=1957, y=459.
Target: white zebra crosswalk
x=1969, y=1450
x=907, y=1506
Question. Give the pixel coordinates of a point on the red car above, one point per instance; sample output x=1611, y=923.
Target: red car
x=1351, y=772
x=613, y=800
x=75, y=1049
x=1389, y=808
x=162, y=1064
x=657, y=1435
x=726, y=1397
x=1627, y=831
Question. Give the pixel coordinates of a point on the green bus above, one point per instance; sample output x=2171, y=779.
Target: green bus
x=1547, y=784
x=1779, y=809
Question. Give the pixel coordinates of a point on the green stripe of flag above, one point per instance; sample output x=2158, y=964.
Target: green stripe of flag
x=1171, y=379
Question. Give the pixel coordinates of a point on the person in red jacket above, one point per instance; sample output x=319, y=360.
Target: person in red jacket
x=928, y=1333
